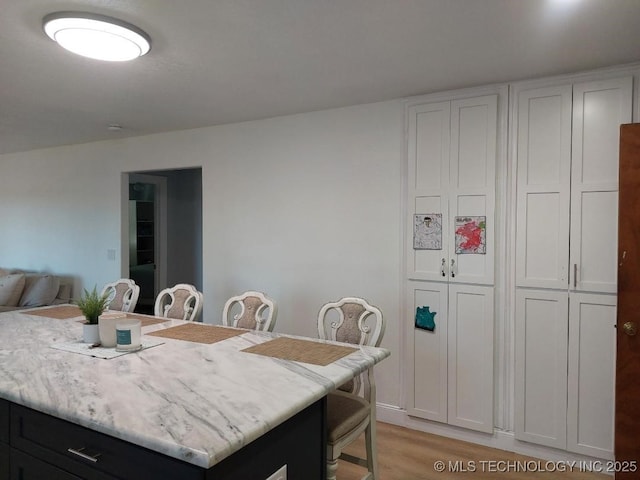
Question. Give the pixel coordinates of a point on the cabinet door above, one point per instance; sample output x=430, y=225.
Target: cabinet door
x=599, y=109
x=427, y=353
x=592, y=365
x=4, y=461
x=428, y=182
x=472, y=183
x=4, y=440
x=543, y=187
x=470, y=357
x=26, y=467
x=541, y=367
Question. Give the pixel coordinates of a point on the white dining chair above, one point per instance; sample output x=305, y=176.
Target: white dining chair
x=351, y=409
x=257, y=311
x=182, y=301
x=123, y=295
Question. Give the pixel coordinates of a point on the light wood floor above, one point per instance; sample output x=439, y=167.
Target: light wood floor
x=405, y=454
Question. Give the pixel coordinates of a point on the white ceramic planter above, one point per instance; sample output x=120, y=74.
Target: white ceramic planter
x=90, y=333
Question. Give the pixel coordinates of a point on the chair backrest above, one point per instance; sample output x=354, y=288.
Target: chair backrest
x=123, y=294
x=257, y=312
x=352, y=320
x=182, y=301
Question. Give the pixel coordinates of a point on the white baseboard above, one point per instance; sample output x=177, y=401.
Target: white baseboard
x=499, y=439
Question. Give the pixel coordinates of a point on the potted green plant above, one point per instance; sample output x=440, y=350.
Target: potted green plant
x=92, y=304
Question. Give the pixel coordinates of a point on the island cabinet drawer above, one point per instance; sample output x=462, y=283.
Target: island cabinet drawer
x=89, y=454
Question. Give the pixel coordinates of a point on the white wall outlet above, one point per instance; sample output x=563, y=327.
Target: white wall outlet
x=280, y=474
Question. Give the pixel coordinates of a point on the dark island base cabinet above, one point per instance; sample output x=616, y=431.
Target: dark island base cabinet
x=35, y=446
x=4, y=440
x=4, y=461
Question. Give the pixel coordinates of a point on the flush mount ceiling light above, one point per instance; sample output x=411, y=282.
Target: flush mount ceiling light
x=96, y=36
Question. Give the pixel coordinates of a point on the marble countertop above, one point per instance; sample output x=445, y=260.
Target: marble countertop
x=195, y=402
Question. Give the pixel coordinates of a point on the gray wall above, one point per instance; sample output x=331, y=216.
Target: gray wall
x=184, y=227
x=306, y=208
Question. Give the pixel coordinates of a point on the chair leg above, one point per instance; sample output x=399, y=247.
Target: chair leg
x=332, y=468
x=370, y=443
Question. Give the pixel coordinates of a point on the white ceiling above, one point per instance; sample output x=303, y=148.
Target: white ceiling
x=224, y=61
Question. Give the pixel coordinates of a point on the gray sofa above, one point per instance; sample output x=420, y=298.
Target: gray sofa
x=20, y=290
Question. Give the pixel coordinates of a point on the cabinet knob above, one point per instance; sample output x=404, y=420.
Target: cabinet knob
x=630, y=328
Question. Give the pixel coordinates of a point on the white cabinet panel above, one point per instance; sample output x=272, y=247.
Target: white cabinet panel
x=427, y=264
x=427, y=355
x=428, y=182
x=470, y=357
x=473, y=154
x=428, y=149
x=451, y=171
x=599, y=110
x=542, y=237
x=594, y=251
x=541, y=367
x=544, y=138
x=452, y=155
x=565, y=352
x=592, y=354
x=543, y=187
x=472, y=184
x=472, y=268
x=451, y=368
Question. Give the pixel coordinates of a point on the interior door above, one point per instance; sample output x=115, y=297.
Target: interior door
x=147, y=236
x=627, y=433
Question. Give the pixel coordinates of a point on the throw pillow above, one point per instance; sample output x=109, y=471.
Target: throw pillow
x=64, y=294
x=39, y=290
x=11, y=287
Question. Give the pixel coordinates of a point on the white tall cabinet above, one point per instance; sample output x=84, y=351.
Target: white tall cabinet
x=452, y=148
x=566, y=253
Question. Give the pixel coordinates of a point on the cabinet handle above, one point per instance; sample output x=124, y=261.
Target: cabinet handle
x=575, y=275
x=79, y=452
x=453, y=271
x=443, y=268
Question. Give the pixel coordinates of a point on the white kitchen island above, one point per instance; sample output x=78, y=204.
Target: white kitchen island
x=210, y=408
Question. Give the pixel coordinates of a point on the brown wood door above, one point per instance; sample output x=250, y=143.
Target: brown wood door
x=627, y=429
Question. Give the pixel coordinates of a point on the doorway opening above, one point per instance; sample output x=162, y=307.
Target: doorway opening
x=164, y=231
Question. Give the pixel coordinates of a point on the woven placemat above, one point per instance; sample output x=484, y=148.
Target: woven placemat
x=146, y=320
x=61, y=312
x=304, y=351
x=198, y=332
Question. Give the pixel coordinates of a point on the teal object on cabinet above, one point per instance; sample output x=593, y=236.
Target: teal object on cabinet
x=425, y=319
